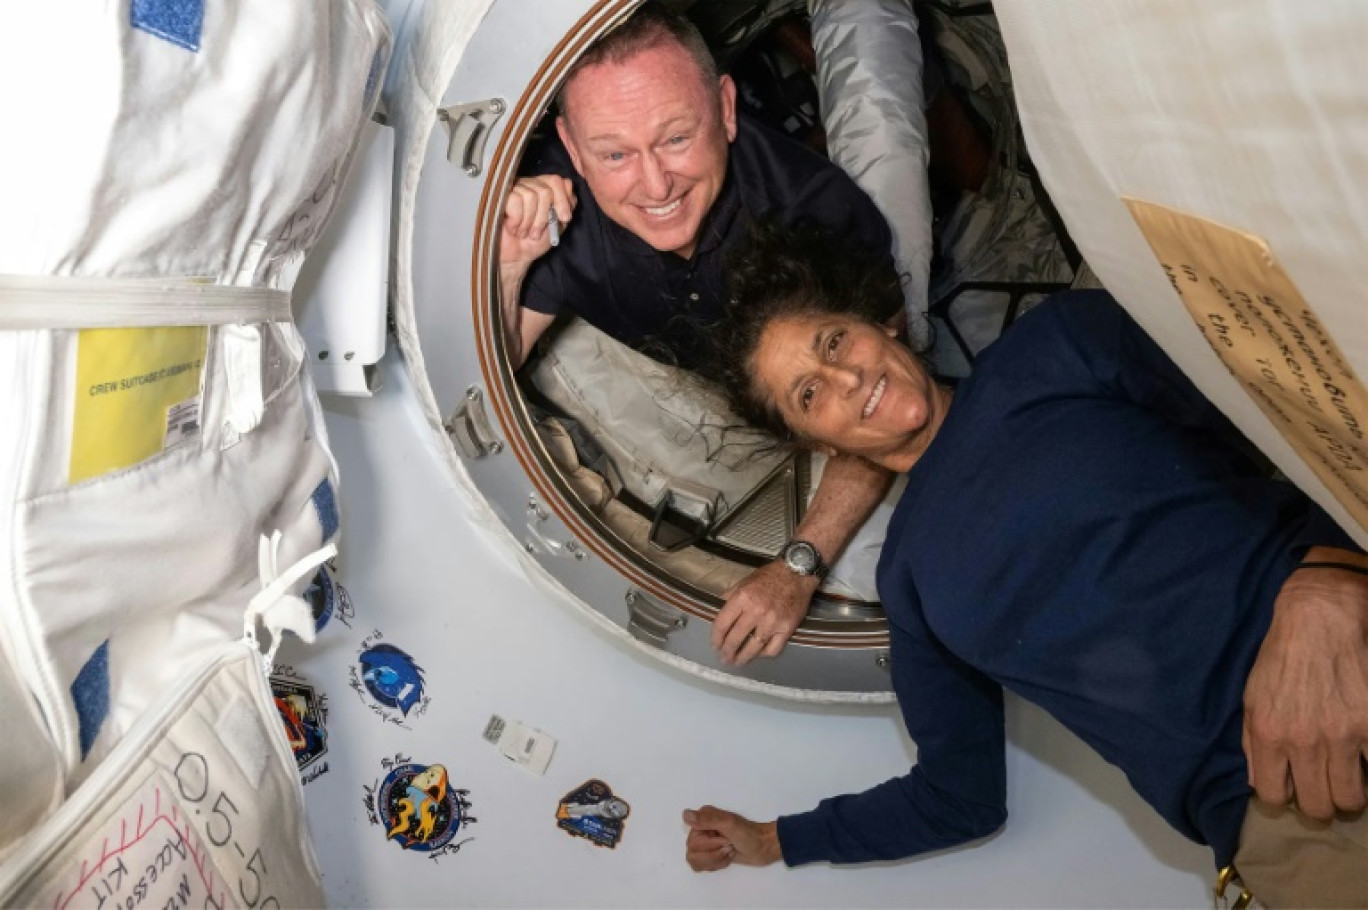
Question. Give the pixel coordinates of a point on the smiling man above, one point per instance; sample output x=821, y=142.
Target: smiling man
x=654, y=180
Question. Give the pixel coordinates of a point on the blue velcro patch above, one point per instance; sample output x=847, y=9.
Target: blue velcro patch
x=325, y=504
x=178, y=21
x=90, y=692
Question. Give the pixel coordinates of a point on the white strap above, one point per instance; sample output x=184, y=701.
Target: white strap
x=65, y=302
x=274, y=605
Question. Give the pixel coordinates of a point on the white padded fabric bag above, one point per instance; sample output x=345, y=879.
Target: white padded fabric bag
x=1227, y=137
x=169, y=165
x=200, y=805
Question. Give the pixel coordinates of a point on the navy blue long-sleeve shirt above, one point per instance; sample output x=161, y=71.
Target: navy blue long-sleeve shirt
x=1089, y=532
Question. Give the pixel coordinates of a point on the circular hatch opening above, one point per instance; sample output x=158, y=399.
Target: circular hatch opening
x=640, y=459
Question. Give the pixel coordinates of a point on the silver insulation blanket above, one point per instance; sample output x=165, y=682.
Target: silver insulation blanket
x=869, y=77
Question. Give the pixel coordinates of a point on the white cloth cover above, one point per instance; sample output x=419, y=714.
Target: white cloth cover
x=422, y=69
x=660, y=427
x=1251, y=115
x=188, y=142
x=854, y=572
x=869, y=78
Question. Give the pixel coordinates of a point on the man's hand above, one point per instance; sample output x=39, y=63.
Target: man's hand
x=718, y=838
x=761, y=613
x=1306, y=699
x=525, y=234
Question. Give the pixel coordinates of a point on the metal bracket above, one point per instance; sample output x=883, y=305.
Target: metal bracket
x=537, y=541
x=650, y=620
x=468, y=127
x=469, y=427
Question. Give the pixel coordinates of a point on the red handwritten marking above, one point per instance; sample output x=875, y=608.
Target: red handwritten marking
x=199, y=855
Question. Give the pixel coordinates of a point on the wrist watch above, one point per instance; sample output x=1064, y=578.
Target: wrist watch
x=802, y=558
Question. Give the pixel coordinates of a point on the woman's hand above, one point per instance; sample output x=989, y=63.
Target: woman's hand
x=761, y=613
x=1306, y=699
x=717, y=838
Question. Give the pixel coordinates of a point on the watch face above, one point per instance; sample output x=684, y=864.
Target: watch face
x=801, y=557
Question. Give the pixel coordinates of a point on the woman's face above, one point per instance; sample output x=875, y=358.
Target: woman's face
x=848, y=386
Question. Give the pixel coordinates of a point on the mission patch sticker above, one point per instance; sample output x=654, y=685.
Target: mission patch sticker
x=592, y=811
x=388, y=681
x=304, y=712
x=418, y=807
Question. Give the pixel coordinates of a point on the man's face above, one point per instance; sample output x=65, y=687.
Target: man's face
x=650, y=137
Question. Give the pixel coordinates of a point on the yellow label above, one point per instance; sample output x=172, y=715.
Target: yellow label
x=137, y=392
x=1266, y=334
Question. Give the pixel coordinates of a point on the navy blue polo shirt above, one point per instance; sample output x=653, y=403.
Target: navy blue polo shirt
x=1088, y=531
x=660, y=303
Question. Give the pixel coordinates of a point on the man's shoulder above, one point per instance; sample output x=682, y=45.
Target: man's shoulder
x=781, y=179
x=773, y=166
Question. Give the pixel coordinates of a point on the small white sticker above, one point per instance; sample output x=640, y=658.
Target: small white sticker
x=182, y=422
x=521, y=744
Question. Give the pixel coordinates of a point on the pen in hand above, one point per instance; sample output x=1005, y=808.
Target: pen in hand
x=553, y=225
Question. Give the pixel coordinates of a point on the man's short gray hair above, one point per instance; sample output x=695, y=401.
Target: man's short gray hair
x=650, y=26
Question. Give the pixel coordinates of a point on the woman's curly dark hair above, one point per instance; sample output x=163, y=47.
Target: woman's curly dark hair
x=783, y=272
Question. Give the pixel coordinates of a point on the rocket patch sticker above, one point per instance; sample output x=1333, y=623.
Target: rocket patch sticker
x=388, y=681
x=304, y=713
x=592, y=811
x=418, y=807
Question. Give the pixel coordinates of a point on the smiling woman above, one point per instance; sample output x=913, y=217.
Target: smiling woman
x=1059, y=521
x=803, y=353
x=840, y=381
